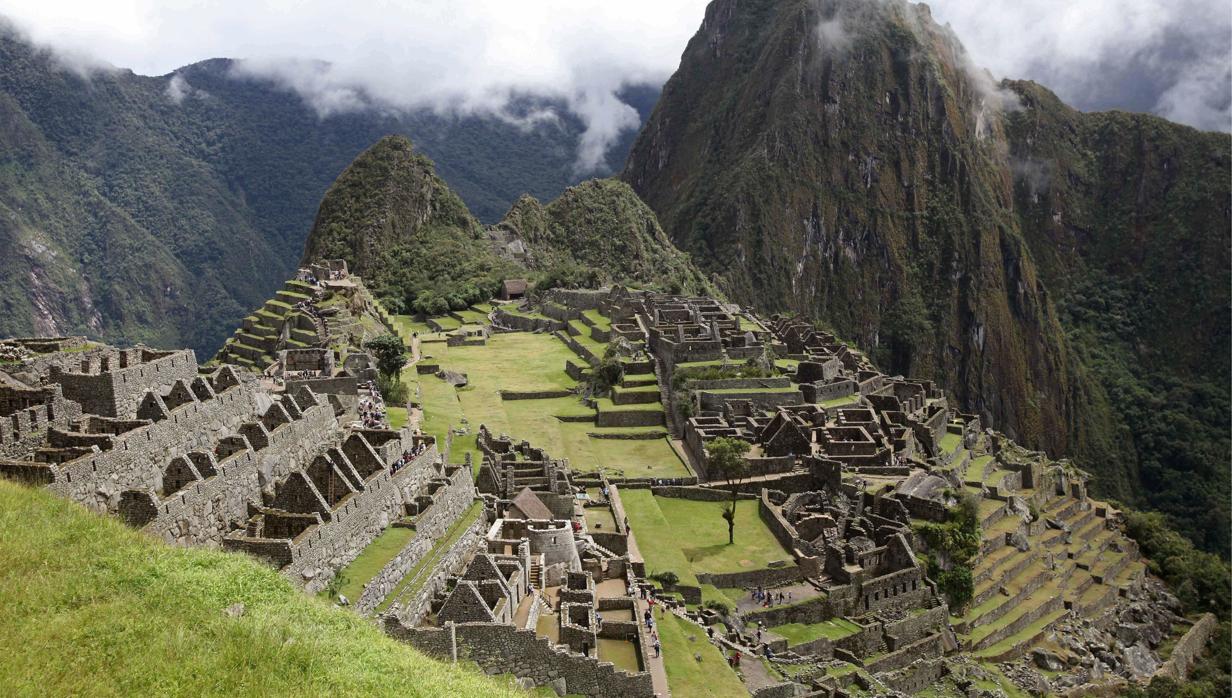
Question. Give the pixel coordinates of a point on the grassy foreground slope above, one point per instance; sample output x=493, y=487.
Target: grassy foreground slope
x=92, y=607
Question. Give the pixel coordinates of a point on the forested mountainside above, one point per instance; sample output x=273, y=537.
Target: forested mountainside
x=399, y=225
x=1063, y=274
x=139, y=211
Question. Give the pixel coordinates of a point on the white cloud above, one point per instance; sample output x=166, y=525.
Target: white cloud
x=1171, y=57
x=473, y=56
x=459, y=56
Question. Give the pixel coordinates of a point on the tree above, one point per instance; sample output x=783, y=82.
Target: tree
x=727, y=460
x=390, y=354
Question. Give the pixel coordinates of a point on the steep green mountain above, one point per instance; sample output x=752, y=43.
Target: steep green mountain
x=845, y=160
x=602, y=225
x=161, y=209
x=404, y=230
x=412, y=239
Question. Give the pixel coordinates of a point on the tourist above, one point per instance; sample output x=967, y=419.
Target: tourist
x=658, y=648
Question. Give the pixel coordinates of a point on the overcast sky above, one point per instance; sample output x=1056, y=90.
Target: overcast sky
x=1172, y=57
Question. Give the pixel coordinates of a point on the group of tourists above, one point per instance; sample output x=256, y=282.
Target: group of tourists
x=770, y=598
x=407, y=457
x=372, y=411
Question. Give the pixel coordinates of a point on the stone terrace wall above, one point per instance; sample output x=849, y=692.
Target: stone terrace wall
x=430, y=527
x=450, y=563
x=1188, y=648
x=767, y=577
x=502, y=648
x=137, y=458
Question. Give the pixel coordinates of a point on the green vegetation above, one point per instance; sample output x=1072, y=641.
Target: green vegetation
x=959, y=539
x=142, y=617
x=399, y=226
x=527, y=362
x=600, y=232
x=726, y=458
x=686, y=676
x=706, y=548
x=1115, y=342
x=1199, y=579
x=352, y=578
x=799, y=633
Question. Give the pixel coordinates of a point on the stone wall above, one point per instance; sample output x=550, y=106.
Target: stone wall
x=1188, y=648
x=714, y=402
x=699, y=494
x=114, y=384
x=412, y=609
x=320, y=552
x=450, y=502
x=500, y=648
x=747, y=579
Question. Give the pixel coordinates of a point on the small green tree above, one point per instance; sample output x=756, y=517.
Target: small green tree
x=390, y=354
x=727, y=461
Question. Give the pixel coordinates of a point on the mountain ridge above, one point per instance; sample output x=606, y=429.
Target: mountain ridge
x=846, y=160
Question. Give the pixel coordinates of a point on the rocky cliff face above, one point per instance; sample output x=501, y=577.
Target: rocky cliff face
x=847, y=161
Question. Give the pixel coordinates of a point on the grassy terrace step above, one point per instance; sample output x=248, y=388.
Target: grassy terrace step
x=604, y=404
x=637, y=380
x=145, y=618
x=976, y=467
x=998, y=530
x=598, y=319
x=415, y=578
x=990, y=562
x=1031, y=603
x=1023, y=638
x=799, y=633
x=950, y=442
x=652, y=388
x=1093, y=527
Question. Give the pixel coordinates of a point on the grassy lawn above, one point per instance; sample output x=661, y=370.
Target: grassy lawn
x=840, y=401
x=370, y=560
x=604, y=404
x=521, y=361
x=687, y=676
x=659, y=523
x=473, y=316
x=833, y=629
x=706, y=545
x=950, y=442
x=397, y=417
x=415, y=579
x=93, y=607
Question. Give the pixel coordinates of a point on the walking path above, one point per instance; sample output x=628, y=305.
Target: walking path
x=658, y=673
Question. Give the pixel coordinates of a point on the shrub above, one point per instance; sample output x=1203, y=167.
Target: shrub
x=667, y=578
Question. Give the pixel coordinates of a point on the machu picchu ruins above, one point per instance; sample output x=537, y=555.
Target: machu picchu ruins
x=558, y=511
